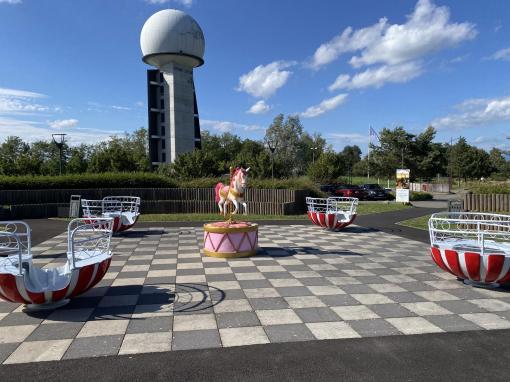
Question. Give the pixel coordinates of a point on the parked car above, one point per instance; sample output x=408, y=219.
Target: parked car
x=350, y=190
x=328, y=188
x=375, y=192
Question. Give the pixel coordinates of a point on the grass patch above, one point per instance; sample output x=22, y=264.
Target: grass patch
x=420, y=222
x=363, y=209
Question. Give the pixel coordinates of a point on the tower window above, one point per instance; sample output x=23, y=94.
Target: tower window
x=162, y=117
x=162, y=104
x=163, y=144
x=163, y=157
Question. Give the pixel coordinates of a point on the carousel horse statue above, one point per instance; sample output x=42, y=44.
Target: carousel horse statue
x=233, y=193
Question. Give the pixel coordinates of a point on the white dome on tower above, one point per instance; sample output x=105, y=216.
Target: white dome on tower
x=172, y=36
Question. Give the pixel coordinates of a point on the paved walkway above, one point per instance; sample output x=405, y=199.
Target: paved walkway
x=306, y=284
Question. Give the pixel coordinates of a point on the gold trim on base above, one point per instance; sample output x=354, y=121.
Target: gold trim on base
x=230, y=254
x=210, y=228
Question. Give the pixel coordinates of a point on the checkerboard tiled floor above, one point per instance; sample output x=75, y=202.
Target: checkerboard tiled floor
x=161, y=294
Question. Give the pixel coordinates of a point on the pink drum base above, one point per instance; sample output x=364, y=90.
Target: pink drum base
x=230, y=243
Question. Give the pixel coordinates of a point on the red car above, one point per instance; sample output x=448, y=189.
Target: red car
x=350, y=191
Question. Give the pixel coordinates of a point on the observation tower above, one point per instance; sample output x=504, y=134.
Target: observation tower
x=173, y=43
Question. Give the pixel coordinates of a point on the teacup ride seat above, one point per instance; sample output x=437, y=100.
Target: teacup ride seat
x=88, y=259
x=474, y=247
x=333, y=213
x=124, y=210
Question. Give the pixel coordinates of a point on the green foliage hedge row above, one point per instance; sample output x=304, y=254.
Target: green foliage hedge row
x=300, y=183
x=418, y=195
x=103, y=180
x=499, y=188
x=140, y=180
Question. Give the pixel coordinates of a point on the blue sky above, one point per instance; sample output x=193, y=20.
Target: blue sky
x=75, y=67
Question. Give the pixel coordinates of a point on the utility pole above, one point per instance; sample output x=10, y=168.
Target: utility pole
x=59, y=140
x=271, y=145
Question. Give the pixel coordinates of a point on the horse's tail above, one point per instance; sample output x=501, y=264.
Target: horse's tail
x=217, y=190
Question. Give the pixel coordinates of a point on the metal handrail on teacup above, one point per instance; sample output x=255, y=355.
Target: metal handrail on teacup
x=333, y=204
x=480, y=228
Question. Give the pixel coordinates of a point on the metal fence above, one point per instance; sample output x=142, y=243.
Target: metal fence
x=487, y=202
x=51, y=203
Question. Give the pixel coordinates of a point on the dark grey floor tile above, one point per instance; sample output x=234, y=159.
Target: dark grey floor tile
x=416, y=286
x=94, y=347
x=316, y=314
x=373, y=328
x=150, y=325
x=338, y=300
x=222, y=277
x=132, y=275
x=190, y=272
x=57, y=331
x=236, y=319
x=229, y=294
x=7, y=307
x=294, y=291
x=404, y=297
x=391, y=310
x=315, y=281
x=24, y=318
x=196, y=339
x=250, y=284
x=288, y=333
x=84, y=302
x=461, y=307
x=268, y=303
x=356, y=288
x=159, y=280
x=453, y=323
x=6, y=350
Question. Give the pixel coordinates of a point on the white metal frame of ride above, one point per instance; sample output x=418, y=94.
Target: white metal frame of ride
x=127, y=208
x=43, y=288
x=332, y=205
x=470, y=231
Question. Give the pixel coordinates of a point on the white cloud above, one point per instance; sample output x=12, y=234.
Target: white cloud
x=31, y=131
x=259, y=107
x=502, y=54
x=5, y=92
x=63, y=123
x=116, y=107
x=227, y=126
x=326, y=105
x=265, y=80
x=477, y=112
x=10, y=1
x=187, y=3
x=377, y=77
x=427, y=29
x=21, y=102
x=140, y=104
x=348, y=138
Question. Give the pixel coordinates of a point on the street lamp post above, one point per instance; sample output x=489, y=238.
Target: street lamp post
x=59, y=140
x=313, y=153
x=271, y=145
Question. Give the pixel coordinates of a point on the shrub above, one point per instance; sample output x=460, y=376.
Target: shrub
x=495, y=188
x=418, y=195
x=103, y=180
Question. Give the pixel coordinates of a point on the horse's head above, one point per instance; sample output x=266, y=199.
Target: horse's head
x=241, y=176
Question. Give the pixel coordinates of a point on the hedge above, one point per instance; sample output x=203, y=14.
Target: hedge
x=499, y=188
x=418, y=195
x=141, y=180
x=103, y=180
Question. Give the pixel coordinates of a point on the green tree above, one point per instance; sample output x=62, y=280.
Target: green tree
x=327, y=168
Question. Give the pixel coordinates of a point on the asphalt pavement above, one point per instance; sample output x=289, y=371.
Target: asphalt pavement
x=461, y=356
